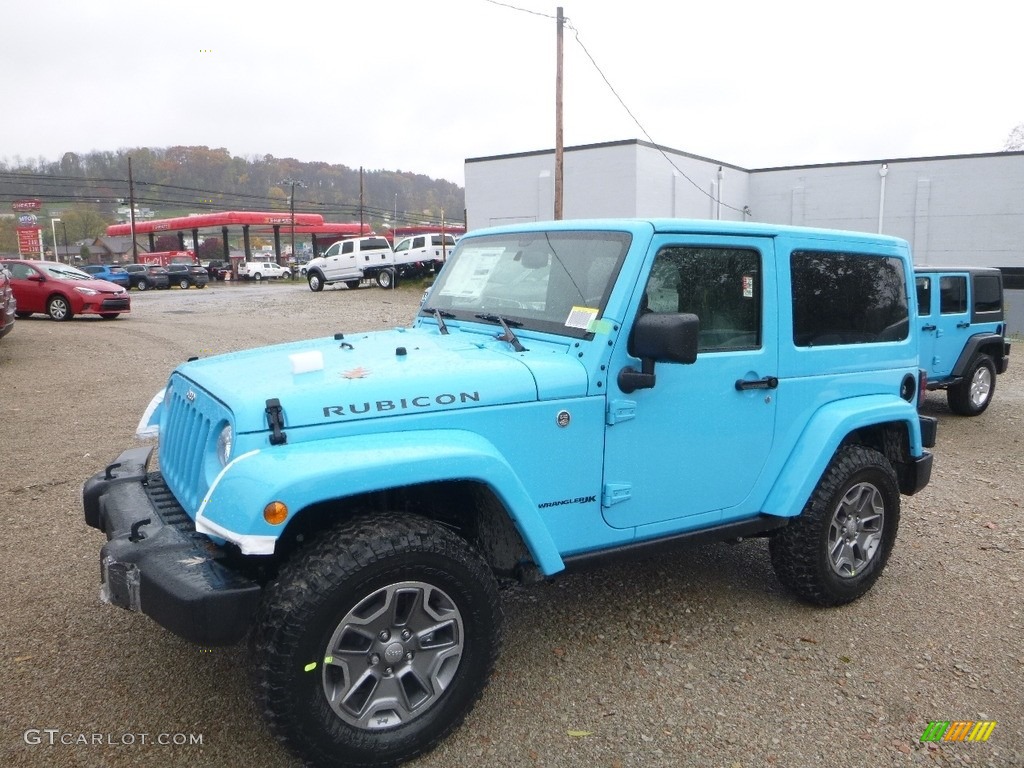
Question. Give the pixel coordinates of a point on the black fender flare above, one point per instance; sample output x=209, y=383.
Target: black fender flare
x=974, y=344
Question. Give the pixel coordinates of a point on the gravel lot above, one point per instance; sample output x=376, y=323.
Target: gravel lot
x=696, y=660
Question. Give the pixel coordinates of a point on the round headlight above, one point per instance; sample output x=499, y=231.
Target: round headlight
x=224, y=440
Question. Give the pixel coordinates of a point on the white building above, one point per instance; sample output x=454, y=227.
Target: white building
x=960, y=209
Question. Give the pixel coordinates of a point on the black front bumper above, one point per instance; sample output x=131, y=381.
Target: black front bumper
x=154, y=562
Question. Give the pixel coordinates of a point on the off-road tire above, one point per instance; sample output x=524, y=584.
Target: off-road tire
x=305, y=626
x=972, y=395
x=316, y=281
x=857, y=483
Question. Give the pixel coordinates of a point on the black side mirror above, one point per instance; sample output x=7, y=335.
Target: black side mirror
x=659, y=337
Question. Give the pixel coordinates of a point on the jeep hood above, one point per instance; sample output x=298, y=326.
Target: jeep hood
x=384, y=374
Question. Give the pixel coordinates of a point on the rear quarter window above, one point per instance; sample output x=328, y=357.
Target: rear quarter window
x=848, y=298
x=988, y=294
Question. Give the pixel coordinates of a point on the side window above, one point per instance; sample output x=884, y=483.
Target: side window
x=987, y=294
x=334, y=250
x=953, y=295
x=402, y=246
x=21, y=271
x=419, y=242
x=346, y=247
x=722, y=286
x=924, y=296
x=848, y=298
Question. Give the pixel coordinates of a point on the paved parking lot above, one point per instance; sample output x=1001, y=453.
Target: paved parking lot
x=698, y=659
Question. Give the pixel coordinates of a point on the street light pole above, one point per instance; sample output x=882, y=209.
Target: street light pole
x=53, y=226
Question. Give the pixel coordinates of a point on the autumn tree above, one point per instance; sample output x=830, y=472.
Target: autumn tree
x=211, y=248
x=83, y=223
x=1015, y=141
x=166, y=243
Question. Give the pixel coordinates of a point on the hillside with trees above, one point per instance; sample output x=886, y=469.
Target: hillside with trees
x=86, y=190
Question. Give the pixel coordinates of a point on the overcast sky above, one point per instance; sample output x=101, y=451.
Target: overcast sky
x=420, y=86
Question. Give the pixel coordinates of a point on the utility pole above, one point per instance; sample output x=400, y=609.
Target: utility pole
x=360, y=200
x=131, y=213
x=559, y=148
x=295, y=258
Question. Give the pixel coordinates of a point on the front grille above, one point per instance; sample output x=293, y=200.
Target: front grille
x=185, y=433
x=119, y=304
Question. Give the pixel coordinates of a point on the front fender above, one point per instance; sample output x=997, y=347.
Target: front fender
x=303, y=474
x=822, y=436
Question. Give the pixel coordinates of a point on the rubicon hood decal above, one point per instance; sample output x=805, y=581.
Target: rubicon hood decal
x=445, y=399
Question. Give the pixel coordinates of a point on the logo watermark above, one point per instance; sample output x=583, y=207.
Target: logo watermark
x=958, y=730
x=52, y=737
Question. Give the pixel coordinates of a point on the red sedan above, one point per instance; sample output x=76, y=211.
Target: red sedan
x=62, y=292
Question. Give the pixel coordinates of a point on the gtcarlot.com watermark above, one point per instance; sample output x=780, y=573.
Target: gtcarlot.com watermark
x=53, y=737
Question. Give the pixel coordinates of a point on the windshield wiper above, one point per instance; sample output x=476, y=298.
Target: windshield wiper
x=440, y=315
x=508, y=335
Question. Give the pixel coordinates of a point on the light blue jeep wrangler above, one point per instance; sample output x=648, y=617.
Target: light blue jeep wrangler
x=569, y=391
x=963, y=333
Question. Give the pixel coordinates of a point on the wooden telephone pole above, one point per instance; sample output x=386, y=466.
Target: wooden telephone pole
x=559, y=149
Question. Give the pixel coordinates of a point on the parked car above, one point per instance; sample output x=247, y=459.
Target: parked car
x=185, y=275
x=696, y=380
x=262, y=270
x=62, y=292
x=8, y=304
x=218, y=270
x=146, y=276
x=421, y=254
x=963, y=342
x=352, y=261
x=110, y=273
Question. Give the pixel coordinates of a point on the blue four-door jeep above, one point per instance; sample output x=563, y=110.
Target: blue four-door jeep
x=568, y=391
x=963, y=333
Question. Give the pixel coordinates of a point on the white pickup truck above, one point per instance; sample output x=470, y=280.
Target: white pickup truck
x=427, y=250
x=261, y=270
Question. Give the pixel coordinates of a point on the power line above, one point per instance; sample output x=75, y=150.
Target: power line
x=745, y=210
x=639, y=125
x=522, y=10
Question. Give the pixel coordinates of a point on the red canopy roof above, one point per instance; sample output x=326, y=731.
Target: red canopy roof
x=222, y=219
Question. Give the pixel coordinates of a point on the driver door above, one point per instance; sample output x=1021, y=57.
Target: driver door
x=694, y=445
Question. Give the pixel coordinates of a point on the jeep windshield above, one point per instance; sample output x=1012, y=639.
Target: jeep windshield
x=556, y=282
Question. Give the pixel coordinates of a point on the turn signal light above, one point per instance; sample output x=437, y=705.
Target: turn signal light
x=275, y=513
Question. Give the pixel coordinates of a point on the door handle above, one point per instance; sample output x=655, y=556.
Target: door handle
x=963, y=325
x=927, y=327
x=768, y=382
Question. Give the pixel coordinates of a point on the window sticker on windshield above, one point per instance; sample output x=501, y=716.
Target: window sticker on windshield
x=581, y=317
x=469, y=275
